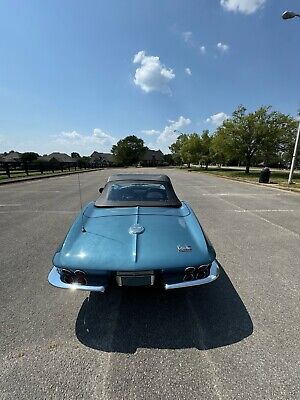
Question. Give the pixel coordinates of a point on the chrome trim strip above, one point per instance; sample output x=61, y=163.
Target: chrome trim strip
x=54, y=280
x=214, y=274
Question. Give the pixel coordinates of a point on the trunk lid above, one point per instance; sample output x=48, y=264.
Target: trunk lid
x=109, y=243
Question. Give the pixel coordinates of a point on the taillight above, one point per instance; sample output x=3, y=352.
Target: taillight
x=80, y=277
x=67, y=276
x=70, y=277
x=189, y=273
x=203, y=271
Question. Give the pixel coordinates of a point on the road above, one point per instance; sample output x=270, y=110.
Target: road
x=237, y=338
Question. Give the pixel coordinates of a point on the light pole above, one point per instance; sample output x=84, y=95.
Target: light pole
x=289, y=15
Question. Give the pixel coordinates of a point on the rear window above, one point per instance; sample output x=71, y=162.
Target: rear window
x=137, y=192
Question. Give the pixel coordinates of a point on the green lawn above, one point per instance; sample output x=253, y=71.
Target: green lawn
x=277, y=176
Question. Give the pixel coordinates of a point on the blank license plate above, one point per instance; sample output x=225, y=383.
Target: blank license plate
x=143, y=280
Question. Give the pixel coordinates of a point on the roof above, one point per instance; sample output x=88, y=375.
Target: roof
x=60, y=157
x=12, y=156
x=139, y=177
x=96, y=156
x=150, y=155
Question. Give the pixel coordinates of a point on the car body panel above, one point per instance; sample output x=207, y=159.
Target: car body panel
x=106, y=244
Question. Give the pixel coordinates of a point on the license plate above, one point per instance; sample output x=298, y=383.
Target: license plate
x=141, y=280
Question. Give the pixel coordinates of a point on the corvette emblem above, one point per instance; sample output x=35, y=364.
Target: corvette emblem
x=136, y=229
x=184, y=249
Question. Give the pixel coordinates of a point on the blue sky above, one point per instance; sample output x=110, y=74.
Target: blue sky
x=80, y=75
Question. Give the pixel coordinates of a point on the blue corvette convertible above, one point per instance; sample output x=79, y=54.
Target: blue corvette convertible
x=138, y=233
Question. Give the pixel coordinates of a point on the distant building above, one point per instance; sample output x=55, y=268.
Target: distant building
x=152, y=158
x=12, y=158
x=59, y=159
x=101, y=159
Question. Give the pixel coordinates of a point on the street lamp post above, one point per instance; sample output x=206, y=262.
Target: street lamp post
x=294, y=158
x=289, y=15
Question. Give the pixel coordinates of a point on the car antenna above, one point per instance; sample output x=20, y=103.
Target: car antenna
x=79, y=188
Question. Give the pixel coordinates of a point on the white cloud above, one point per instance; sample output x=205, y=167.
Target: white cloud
x=203, y=49
x=152, y=75
x=188, y=71
x=84, y=144
x=242, y=6
x=70, y=135
x=223, y=47
x=187, y=37
x=169, y=134
x=150, y=132
x=217, y=119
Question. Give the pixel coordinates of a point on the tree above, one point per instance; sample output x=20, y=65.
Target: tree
x=261, y=134
x=191, y=149
x=206, y=150
x=176, y=147
x=168, y=159
x=75, y=155
x=84, y=162
x=29, y=157
x=128, y=151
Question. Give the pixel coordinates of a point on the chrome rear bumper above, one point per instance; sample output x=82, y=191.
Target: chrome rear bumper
x=54, y=280
x=214, y=274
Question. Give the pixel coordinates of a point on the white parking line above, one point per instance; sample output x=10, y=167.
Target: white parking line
x=261, y=210
x=241, y=194
x=262, y=218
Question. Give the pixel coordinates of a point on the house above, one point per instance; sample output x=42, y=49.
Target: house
x=13, y=158
x=60, y=160
x=152, y=158
x=101, y=159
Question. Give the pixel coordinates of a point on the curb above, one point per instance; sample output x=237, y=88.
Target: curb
x=268, y=185
x=35, y=178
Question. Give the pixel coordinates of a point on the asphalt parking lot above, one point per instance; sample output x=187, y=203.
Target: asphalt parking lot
x=238, y=338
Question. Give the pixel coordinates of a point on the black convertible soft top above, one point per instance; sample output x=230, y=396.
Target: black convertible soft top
x=132, y=190
x=139, y=177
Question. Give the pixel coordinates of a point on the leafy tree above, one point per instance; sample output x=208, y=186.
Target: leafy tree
x=129, y=150
x=260, y=134
x=176, y=147
x=84, y=162
x=191, y=149
x=29, y=157
x=206, y=150
x=75, y=155
x=168, y=158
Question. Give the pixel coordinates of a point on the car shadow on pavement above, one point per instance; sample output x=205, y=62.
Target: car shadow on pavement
x=203, y=317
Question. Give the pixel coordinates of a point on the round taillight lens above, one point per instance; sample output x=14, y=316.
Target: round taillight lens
x=79, y=274
x=81, y=280
x=203, y=271
x=189, y=270
x=188, y=277
x=68, y=278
